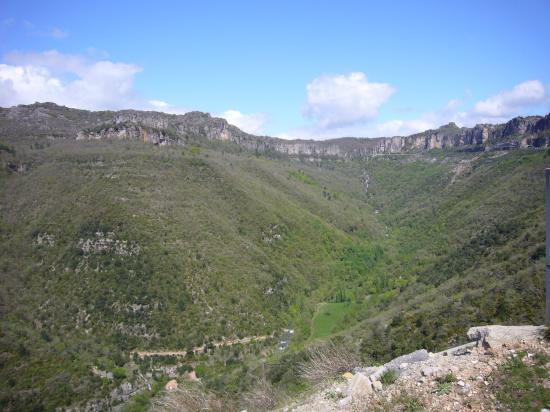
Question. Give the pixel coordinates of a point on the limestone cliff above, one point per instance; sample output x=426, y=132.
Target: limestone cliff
x=49, y=119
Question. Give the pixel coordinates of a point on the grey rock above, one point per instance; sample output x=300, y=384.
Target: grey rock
x=416, y=356
x=377, y=386
x=123, y=392
x=93, y=405
x=463, y=389
x=432, y=372
x=371, y=370
x=344, y=401
x=379, y=372
x=497, y=335
x=359, y=386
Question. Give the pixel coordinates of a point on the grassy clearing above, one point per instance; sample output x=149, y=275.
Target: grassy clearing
x=332, y=317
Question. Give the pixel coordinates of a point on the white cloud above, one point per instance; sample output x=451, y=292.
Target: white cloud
x=250, y=123
x=67, y=79
x=162, y=106
x=402, y=127
x=343, y=100
x=525, y=98
x=383, y=129
x=495, y=109
x=159, y=104
x=51, y=59
x=71, y=80
x=512, y=102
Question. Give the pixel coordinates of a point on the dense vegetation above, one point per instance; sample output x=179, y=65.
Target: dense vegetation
x=107, y=247
x=519, y=382
x=471, y=247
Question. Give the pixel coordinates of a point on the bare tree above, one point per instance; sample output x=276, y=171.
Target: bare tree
x=327, y=361
x=190, y=399
x=263, y=396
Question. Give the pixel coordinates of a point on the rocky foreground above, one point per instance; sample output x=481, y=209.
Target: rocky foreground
x=464, y=378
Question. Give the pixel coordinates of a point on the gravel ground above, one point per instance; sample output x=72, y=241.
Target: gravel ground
x=471, y=391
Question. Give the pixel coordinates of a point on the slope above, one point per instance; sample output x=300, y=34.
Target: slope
x=111, y=246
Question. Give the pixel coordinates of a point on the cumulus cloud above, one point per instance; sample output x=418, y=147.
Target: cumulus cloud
x=524, y=98
x=251, y=123
x=512, y=102
x=71, y=80
x=344, y=100
x=53, y=60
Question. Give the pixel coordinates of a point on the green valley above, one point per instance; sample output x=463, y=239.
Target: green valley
x=110, y=246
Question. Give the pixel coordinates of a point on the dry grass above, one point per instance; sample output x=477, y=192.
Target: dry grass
x=190, y=399
x=327, y=361
x=263, y=396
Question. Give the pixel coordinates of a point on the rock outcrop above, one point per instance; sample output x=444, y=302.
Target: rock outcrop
x=495, y=336
x=455, y=379
x=51, y=120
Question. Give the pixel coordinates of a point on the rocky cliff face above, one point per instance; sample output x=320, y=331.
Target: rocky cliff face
x=48, y=119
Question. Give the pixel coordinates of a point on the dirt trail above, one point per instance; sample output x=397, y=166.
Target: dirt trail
x=200, y=349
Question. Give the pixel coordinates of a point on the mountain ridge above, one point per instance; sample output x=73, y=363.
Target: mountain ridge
x=50, y=119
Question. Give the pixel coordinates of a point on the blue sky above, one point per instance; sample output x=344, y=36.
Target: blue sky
x=291, y=69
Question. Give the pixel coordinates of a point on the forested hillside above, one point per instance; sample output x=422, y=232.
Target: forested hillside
x=111, y=246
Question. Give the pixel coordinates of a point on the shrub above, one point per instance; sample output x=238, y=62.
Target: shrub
x=194, y=150
x=184, y=369
x=6, y=148
x=119, y=373
x=389, y=377
x=262, y=396
x=448, y=378
x=443, y=388
x=327, y=362
x=413, y=405
x=190, y=399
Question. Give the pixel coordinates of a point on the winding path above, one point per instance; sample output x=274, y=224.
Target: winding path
x=201, y=349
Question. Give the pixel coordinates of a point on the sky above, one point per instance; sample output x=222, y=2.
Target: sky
x=292, y=69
